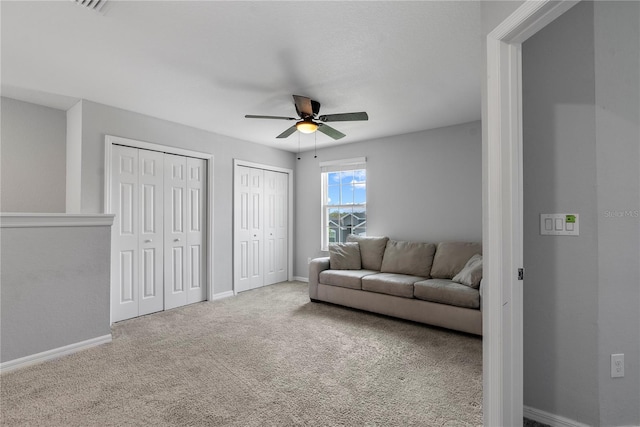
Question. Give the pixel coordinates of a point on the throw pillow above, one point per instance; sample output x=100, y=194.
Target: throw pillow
x=344, y=256
x=471, y=274
x=371, y=250
x=451, y=257
x=408, y=258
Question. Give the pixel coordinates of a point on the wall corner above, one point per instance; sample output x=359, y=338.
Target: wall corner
x=74, y=159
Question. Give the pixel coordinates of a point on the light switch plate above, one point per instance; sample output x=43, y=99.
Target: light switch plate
x=562, y=224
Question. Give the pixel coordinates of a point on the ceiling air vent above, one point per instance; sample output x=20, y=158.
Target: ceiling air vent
x=91, y=4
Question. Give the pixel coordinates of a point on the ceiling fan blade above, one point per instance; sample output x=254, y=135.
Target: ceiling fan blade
x=328, y=130
x=344, y=117
x=315, y=106
x=252, y=116
x=303, y=106
x=287, y=132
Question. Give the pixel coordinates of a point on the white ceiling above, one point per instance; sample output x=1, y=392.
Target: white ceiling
x=411, y=65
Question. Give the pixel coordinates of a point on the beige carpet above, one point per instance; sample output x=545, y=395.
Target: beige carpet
x=267, y=357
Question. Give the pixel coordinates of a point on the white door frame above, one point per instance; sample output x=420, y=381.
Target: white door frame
x=502, y=211
x=236, y=163
x=110, y=141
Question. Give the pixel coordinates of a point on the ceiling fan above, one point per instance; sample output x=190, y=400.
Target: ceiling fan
x=309, y=121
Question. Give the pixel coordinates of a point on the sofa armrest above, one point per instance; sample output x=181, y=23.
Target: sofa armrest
x=316, y=266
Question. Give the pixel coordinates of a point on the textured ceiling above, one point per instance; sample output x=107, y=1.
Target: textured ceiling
x=410, y=65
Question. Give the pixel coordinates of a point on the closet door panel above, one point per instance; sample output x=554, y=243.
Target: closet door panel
x=196, y=214
x=281, y=227
x=248, y=228
x=175, y=235
x=257, y=228
x=124, y=232
x=151, y=244
x=241, y=230
x=276, y=227
x=270, y=221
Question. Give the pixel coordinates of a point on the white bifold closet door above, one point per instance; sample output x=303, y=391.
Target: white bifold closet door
x=136, y=269
x=184, y=261
x=275, y=226
x=260, y=227
x=159, y=202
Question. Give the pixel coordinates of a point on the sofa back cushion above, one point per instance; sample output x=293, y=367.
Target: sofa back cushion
x=408, y=258
x=344, y=256
x=451, y=258
x=471, y=274
x=371, y=250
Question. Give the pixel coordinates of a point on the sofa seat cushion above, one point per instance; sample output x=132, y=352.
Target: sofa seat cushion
x=344, y=278
x=446, y=292
x=391, y=284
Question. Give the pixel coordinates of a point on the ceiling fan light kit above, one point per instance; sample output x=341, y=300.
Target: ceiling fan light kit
x=308, y=110
x=306, y=126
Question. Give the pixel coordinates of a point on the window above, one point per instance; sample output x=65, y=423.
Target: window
x=344, y=200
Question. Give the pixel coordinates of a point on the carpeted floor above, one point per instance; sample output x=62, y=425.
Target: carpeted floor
x=267, y=357
x=531, y=423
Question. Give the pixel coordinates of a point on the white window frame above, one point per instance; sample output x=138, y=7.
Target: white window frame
x=335, y=166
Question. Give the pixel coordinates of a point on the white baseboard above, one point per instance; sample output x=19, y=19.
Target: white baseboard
x=222, y=295
x=550, y=419
x=23, y=362
x=301, y=279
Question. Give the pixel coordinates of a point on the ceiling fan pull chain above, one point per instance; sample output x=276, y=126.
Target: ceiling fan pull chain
x=315, y=145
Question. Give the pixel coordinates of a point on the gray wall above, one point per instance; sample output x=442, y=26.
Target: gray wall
x=423, y=186
x=492, y=13
x=617, y=67
x=581, y=154
x=33, y=156
x=55, y=288
x=99, y=120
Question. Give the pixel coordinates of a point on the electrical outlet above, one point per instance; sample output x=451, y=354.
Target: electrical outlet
x=617, y=365
x=308, y=260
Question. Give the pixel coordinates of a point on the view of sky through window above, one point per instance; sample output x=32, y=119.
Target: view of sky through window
x=347, y=187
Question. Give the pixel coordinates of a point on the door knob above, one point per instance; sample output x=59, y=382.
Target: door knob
x=176, y=240
x=148, y=241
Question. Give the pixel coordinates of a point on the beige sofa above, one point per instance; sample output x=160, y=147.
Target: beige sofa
x=435, y=284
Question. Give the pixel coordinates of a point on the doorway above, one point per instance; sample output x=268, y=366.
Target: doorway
x=502, y=210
